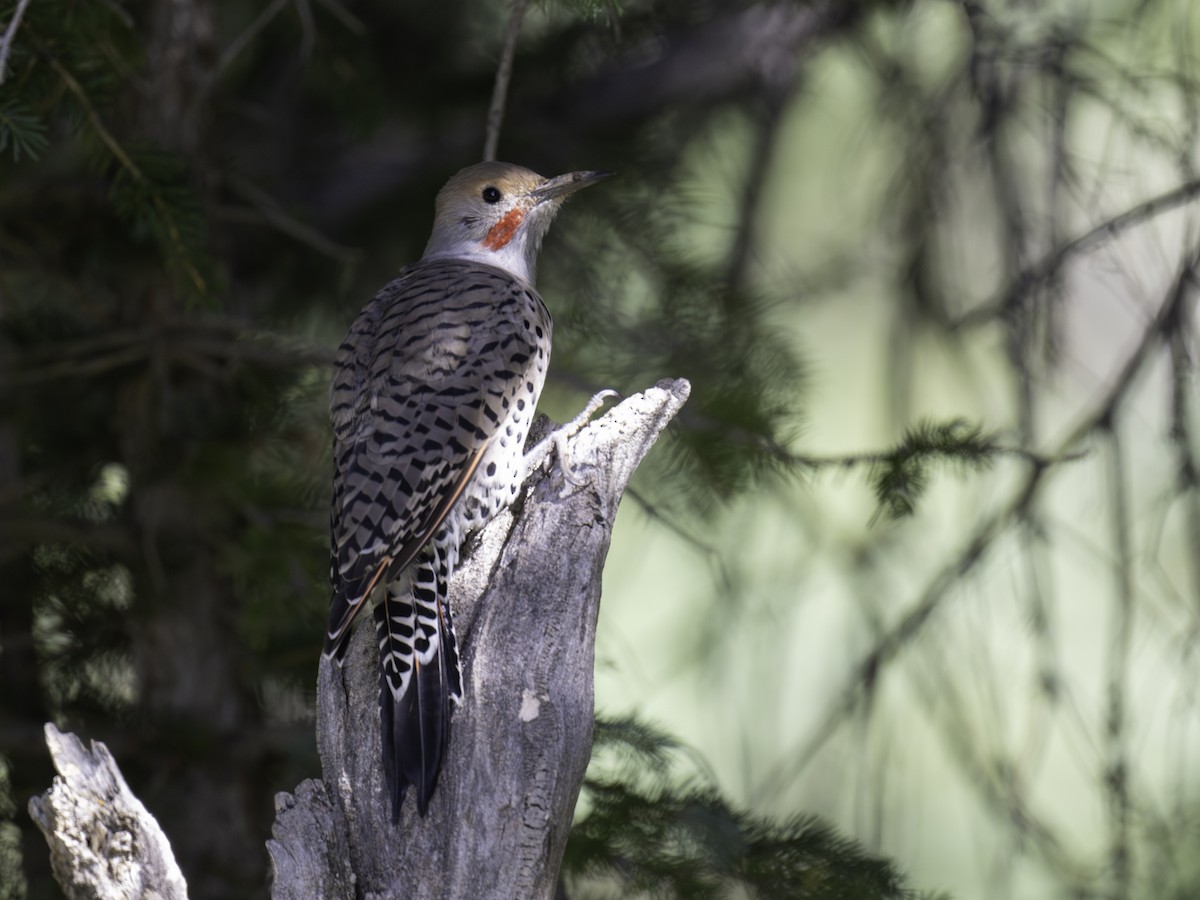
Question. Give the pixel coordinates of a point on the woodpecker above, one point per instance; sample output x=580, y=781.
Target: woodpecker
x=432, y=398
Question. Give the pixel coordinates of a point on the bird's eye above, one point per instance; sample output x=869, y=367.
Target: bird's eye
x=491, y=194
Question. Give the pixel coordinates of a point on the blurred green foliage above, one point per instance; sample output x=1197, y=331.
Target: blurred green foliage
x=654, y=825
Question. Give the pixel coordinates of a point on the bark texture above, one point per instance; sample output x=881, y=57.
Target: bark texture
x=525, y=603
x=103, y=842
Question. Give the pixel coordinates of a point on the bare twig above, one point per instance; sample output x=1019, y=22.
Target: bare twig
x=238, y=44
x=708, y=551
x=79, y=367
x=1121, y=642
x=277, y=218
x=776, y=99
x=1050, y=264
x=742, y=437
x=115, y=8
x=892, y=642
x=9, y=34
x=855, y=460
x=503, y=76
x=889, y=646
x=995, y=778
x=308, y=28
x=1187, y=477
x=351, y=22
x=184, y=342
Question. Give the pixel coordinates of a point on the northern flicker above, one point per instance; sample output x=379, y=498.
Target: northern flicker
x=433, y=394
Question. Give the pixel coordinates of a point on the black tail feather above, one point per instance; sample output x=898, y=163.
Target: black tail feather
x=390, y=718
x=415, y=729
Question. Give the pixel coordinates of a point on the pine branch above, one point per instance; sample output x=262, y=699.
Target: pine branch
x=900, y=476
x=653, y=828
x=903, y=476
x=22, y=130
x=135, y=173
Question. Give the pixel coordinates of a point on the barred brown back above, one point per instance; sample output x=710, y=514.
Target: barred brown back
x=428, y=373
x=434, y=390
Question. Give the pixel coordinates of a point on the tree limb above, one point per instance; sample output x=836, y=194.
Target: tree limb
x=525, y=605
x=103, y=842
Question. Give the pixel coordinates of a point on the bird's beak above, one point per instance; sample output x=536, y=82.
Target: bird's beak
x=553, y=188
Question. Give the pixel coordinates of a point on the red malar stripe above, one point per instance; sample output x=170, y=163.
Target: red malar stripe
x=501, y=233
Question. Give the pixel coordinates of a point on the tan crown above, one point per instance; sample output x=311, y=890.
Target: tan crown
x=497, y=213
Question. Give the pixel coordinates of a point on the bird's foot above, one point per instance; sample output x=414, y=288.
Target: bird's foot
x=556, y=440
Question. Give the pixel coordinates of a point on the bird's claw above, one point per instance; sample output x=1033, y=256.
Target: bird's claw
x=557, y=439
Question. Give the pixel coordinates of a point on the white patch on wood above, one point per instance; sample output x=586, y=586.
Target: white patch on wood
x=531, y=706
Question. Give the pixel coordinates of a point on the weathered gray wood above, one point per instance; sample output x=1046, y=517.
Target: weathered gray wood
x=104, y=845
x=525, y=605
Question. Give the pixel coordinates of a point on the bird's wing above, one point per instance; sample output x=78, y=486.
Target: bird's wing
x=423, y=381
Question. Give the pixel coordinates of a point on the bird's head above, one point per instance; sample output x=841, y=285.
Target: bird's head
x=498, y=213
